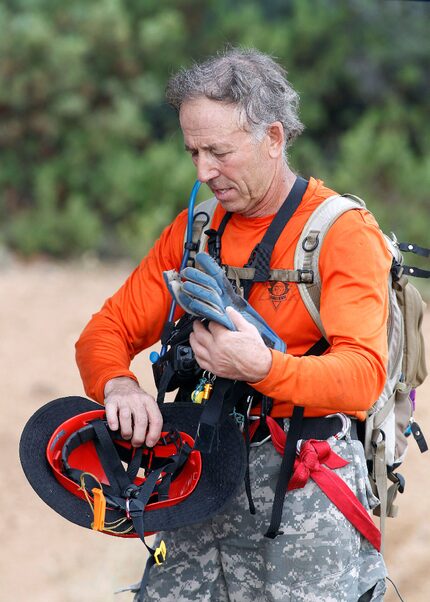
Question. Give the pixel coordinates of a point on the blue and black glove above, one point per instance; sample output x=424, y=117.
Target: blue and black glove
x=207, y=292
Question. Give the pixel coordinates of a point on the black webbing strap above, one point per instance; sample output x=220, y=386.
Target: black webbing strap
x=214, y=238
x=289, y=455
x=262, y=252
x=319, y=347
x=138, y=504
x=135, y=463
x=210, y=417
x=419, y=437
x=116, y=473
x=137, y=508
x=140, y=593
x=165, y=379
x=177, y=462
x=411, y=270
x=109, y=457
x=247, y=477
x=136, y=513
x=286, y=471
x=410, y=247
x=135, y=498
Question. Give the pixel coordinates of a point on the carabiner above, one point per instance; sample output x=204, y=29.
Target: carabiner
x=346, y=427
x=249, y=401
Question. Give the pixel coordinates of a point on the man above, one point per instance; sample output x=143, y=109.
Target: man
x=238, y=115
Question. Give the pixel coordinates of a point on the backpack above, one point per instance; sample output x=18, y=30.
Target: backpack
x=390, y=420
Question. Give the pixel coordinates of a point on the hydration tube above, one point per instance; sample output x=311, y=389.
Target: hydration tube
x=189, y=239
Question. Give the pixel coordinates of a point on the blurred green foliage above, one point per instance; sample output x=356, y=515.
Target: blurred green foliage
x=91, y=158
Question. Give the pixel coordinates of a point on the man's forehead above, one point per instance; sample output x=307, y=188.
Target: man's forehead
x=203, y=113
x=210, y=124
x=209, y=147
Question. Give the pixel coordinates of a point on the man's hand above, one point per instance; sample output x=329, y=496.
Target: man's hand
x=132, y=410
x=238, y=355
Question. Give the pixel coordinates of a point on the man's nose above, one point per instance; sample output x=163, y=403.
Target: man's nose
x=206, y=168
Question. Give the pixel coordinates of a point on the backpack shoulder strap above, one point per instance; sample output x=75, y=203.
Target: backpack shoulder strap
x=203, y=215
x=308, y=248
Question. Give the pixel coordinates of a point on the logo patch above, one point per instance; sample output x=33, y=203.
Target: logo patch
x=277, y=292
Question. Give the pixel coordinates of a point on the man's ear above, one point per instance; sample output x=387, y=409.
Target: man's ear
x=276, y=136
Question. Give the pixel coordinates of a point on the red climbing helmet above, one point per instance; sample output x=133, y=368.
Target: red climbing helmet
x=94, y=478
x=86, y=458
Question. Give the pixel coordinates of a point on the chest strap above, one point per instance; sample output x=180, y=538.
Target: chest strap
x=276, y=275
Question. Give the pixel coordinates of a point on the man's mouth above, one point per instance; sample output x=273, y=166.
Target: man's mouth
x=220, y=192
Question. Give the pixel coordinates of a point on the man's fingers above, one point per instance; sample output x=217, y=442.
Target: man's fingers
x=112, y=415
x=202, y=358
x=238, y=320
x=155, y=424
x=125, y=422
x=133, y=411
x=201, y=346
x=140, y=425
x=201, y=334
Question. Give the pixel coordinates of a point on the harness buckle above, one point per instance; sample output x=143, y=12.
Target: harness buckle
x=160, y=553
x=131, y=490
x=305, y=276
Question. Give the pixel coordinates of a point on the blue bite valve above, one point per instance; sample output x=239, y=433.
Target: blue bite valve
x=153, y=356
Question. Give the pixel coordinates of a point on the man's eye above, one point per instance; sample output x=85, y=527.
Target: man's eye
x=219, y=154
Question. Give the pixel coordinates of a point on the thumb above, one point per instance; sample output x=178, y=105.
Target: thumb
x=238, y=320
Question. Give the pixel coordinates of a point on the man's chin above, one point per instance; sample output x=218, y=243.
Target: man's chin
x=233, y=206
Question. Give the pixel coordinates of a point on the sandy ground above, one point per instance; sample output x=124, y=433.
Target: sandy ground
x=44, y=558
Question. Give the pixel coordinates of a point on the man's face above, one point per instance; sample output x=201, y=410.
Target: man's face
x=238, y=169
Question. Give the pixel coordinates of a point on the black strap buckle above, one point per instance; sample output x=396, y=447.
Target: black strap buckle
x=191, y=246
x=131, y=491
x=396, y=270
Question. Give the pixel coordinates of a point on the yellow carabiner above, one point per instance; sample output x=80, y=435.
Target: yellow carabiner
x=197, y=396
x=160, y=551
x=207, y=390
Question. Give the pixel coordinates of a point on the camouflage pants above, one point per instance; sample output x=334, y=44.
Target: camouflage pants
x=319, y=558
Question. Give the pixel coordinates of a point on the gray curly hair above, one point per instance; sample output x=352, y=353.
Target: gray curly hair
x=251, y=80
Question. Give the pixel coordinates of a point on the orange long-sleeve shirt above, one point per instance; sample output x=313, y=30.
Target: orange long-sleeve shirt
x=354, y=267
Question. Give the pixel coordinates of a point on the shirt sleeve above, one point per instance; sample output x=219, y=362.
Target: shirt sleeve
x=354, y=267
x=133, y=318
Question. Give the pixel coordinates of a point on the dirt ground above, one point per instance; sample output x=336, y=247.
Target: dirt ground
x=43, y=558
